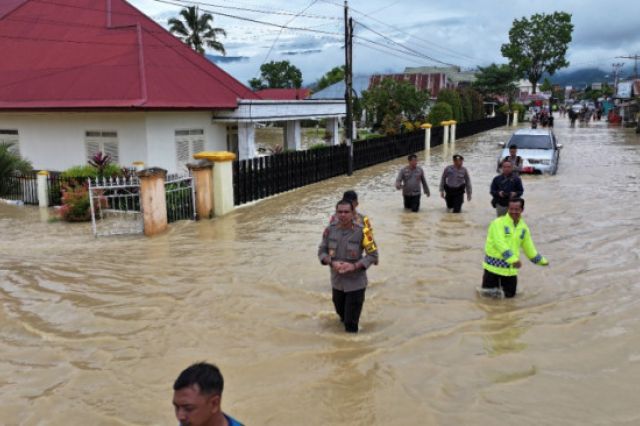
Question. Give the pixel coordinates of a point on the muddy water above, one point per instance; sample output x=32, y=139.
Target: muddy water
x=95, y=331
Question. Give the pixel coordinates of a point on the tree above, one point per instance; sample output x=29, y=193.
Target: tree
x=546, y=85
x=277, y=75
x=11, y=163
x=196, y=31
x=440, y=112
x=539, y=45
x=497, y=80
x=333, y=76
x=452, y=98
x=391, y=99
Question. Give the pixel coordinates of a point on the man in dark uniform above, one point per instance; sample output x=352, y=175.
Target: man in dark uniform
x=342, y=247
x=505, y=187
x=455, y=181
x=409, y=180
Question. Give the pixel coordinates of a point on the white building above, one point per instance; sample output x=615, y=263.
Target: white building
x=85, y=78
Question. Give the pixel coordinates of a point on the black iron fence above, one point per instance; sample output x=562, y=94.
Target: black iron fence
x=257, y=178
x=20, y=188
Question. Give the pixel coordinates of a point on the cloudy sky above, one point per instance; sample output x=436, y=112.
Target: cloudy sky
x=467, y=34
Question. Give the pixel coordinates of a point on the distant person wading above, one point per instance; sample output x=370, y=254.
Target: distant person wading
x=410, y=179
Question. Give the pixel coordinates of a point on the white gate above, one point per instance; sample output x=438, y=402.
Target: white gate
x=115, y=206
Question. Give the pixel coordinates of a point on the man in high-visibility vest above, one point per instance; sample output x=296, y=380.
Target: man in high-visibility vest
x=505, y=236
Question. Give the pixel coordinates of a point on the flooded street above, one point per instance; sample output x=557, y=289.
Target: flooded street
x=94, y=332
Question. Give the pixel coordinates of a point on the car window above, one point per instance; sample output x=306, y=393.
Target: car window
x=531, y=141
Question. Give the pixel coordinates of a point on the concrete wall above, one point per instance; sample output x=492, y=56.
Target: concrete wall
x=56, y=141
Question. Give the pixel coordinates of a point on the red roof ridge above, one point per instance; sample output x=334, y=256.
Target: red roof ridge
x=10, y=6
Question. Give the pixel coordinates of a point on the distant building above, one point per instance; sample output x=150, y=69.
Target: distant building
x=432, y=82
x=283, y=94
x=455, y=76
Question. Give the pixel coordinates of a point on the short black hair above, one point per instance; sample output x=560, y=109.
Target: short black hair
x=518, y=200
x=513, y=147
x=412, y=157
x=344, y=202
x=458, y=157
x=350, y=195
x=206, y=376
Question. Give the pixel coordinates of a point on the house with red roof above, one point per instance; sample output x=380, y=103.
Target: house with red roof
x=82, y=76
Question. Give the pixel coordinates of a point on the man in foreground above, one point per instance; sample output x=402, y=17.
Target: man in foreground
x=197, y=397
x=409, y=180
x=505, y=236
x=342, y=247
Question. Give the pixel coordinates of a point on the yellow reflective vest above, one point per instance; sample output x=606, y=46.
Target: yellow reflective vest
x=502, y=248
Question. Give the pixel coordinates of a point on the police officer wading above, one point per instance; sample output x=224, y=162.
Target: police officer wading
x=409, y=180
x=504, y=187
x=343, y=244
x=505, y=236
x=455, y=181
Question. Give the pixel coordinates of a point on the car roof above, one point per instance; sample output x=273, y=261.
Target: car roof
x=533, y=132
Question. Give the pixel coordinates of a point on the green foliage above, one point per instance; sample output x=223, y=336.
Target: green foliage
x=333, y=76
x=452, y=98
x=388, y=102
x=440, y=112
x=86, y=171
x=466, y=104
x=538, y=45
x=196, y=30
x=277, y=75
x=11, y=161
x=546, y=85
x=496, y=80
x=318, y=146
x=513, y=108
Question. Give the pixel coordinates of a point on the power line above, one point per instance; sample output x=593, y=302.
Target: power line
x=405, y=47
x=263, y=11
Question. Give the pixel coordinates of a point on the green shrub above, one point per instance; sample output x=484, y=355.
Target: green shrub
x=86, y=171
x=75, y=204
x=440, y=112
x=452, y=97
x=318, y=146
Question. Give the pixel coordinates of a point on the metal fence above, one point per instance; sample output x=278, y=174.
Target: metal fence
x=257, y=178
x=115, y=206
x=180, y=195
x=20, y=188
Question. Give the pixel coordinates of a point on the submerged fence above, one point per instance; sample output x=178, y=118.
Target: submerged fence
x=20, y=188
x=257, y=178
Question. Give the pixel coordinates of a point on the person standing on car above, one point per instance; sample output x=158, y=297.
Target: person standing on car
x=455, y=181
x=505, y=236
x=409, y=180
x=505, y=187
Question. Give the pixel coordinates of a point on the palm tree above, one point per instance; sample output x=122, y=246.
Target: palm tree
x=196, y=30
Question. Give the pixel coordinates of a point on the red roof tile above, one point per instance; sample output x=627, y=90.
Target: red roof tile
x=77, y=54
x=283, y=94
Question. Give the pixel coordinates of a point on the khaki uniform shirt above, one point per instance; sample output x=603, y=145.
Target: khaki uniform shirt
x=455, y=177
x=410, y=180
x=346, y=245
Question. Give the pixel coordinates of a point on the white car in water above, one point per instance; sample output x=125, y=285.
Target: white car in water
x=538, y=148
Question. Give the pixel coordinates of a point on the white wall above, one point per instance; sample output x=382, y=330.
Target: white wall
x=56, y=140
x=161, y=127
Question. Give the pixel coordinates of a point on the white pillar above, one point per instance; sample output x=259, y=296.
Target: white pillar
x=452, y=135
x=246, y=140
x=293, y=135
x=508, y=114
x=222, y=187
x=445, y=132
x=515, y=118
x=427, y=136
x=43, y=188
x=333, y=128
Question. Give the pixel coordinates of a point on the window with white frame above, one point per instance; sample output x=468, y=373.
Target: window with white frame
x=10, y=136
x=188, y=142
x=102, y=141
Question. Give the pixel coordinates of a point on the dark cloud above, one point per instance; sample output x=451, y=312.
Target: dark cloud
x=301, y=52
x=226, y=59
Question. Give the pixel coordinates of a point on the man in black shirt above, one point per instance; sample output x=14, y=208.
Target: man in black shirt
x=505, y=187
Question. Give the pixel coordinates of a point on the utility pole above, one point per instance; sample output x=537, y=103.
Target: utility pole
x=348, y=80
x=635, y=67
x=616, y=70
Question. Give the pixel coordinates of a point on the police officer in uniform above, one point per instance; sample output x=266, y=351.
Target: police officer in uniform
x=346, y=249
x=455, y=181
x=409, y=180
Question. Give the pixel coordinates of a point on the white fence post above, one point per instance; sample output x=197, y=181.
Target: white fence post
x=427, y=136
x=445, y=132
x=452, y=134
x=222, y=179
x=43, y=188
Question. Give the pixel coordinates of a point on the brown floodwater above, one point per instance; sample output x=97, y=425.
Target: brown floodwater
x=94, y=331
